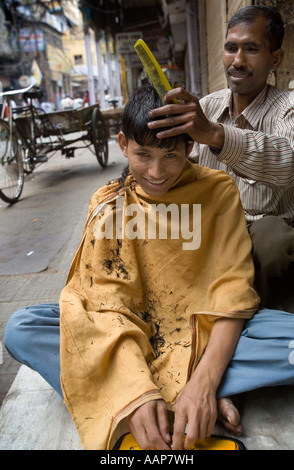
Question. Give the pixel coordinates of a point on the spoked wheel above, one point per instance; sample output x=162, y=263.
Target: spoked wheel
x=100, y=137
x=11, y=168
x=28, y=161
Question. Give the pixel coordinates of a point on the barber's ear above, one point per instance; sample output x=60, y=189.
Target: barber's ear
x=122, y=142
x=278, y=56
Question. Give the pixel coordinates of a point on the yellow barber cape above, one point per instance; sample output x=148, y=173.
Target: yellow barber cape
x=142, y=296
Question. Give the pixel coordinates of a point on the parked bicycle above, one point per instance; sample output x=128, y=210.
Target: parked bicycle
x=29, y=134
x=11, y=166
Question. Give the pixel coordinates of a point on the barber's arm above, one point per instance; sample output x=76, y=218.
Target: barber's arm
x=262, y=157
x=267, y=158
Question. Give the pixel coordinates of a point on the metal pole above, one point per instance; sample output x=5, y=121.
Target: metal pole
x=108, y=60
x=100, y=73
x=118, y=79
x=193, y=47
x=91, y=87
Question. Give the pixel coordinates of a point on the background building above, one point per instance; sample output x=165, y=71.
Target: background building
x=186, y=37
x=79, y=45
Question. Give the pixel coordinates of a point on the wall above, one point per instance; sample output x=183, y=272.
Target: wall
x=285, y=73
x=216, y=17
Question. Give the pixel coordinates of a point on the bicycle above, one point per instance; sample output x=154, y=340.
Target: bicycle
x=18, y=145
x=29, y=134
x=11, y=166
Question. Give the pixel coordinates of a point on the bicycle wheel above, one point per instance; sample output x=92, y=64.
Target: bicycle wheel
x=27, y=154
x=100, y=137
x=11, y=168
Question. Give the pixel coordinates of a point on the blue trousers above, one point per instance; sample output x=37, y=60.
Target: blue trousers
x=263, y=357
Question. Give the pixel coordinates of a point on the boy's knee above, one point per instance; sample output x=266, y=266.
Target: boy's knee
x=273, y=243
x=15, y=336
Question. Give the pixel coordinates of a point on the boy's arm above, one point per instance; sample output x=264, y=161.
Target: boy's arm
x=196, y=406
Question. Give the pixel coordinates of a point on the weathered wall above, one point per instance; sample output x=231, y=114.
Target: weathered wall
x=285, y=74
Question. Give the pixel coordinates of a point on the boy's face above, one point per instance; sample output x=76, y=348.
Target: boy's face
x=154, y=169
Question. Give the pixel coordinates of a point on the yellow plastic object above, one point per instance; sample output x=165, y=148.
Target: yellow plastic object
x=210, y=443
x=152, y=67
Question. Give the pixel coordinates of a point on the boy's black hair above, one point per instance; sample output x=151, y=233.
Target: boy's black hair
x=135, y=119
x=275, y=25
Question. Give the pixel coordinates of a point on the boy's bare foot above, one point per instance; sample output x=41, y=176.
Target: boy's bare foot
x=229, y=416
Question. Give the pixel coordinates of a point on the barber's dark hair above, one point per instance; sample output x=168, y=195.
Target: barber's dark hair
x=275, y=24
x=135, y=119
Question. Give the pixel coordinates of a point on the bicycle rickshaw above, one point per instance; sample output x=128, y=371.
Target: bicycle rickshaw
x=29, y=134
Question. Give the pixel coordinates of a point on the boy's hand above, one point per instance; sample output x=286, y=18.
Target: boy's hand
x=149, y=426
x=186, y=117
x=197, y=408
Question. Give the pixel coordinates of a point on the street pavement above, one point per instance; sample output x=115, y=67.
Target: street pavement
x=39, y=234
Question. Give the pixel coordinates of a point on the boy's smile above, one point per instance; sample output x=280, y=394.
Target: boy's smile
x=154, y=169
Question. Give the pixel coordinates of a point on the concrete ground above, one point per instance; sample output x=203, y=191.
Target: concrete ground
x=44, y=227
x=34, y=417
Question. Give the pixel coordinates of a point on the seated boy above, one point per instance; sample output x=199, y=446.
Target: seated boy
x=155, y=303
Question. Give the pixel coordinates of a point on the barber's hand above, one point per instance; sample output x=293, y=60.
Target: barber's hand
x=149, y=426
x=196, y=408
x=186, y=117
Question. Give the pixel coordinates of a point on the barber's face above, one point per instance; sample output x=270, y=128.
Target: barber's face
x=248, y=59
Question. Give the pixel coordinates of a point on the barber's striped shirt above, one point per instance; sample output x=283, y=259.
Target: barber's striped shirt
x=258, y=151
